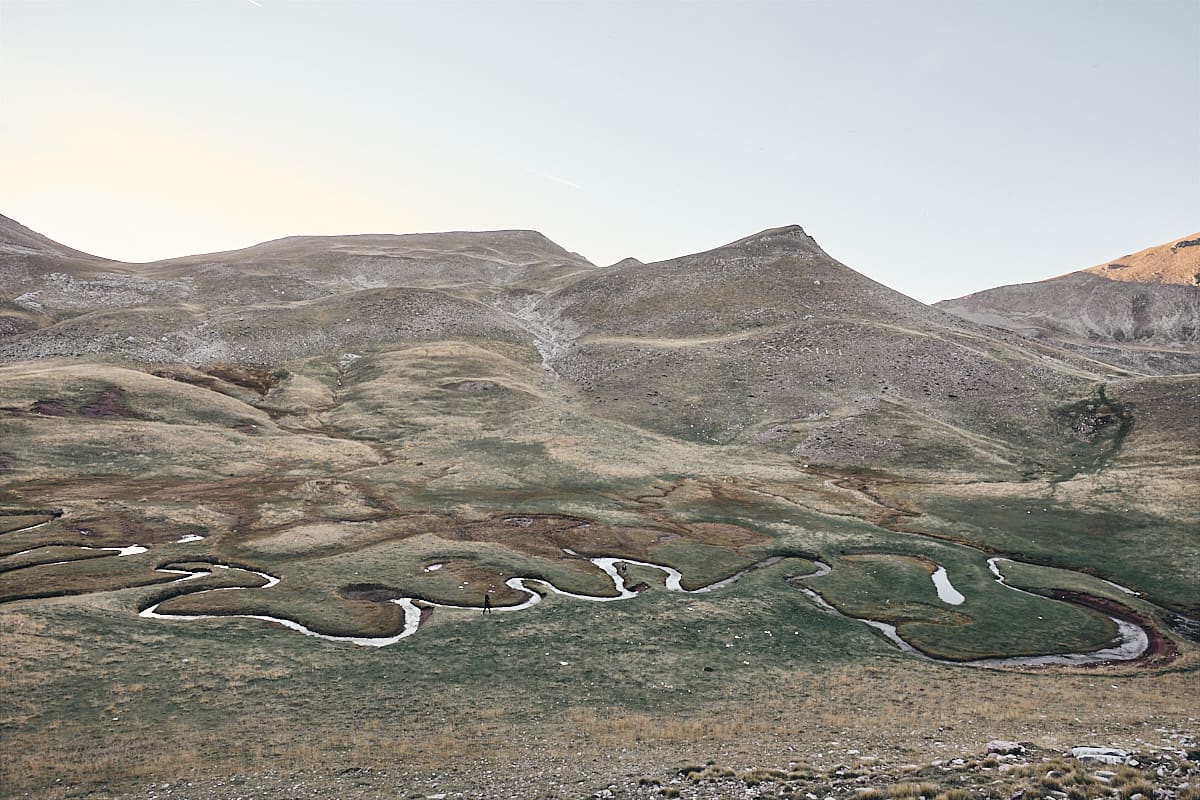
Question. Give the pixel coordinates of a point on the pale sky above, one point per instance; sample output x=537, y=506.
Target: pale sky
x=938, y=147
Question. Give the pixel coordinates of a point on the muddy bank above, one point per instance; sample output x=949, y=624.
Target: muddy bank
x=1160, y=650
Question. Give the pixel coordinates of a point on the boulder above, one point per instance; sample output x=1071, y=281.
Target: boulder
x=1105, y=755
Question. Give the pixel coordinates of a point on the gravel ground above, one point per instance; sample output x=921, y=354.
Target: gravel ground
x=1169, y=770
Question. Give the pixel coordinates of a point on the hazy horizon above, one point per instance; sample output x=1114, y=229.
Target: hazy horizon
x=937, y=147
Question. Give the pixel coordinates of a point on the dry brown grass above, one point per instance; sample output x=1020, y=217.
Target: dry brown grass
x=612, y=730
x=913, y=790
x=955, y=794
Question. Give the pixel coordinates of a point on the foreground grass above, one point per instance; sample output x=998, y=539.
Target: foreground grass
x=94, y=695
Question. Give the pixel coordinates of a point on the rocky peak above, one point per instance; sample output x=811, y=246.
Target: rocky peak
x=778, y=241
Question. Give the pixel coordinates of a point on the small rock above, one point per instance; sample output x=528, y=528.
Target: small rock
x=1005, y=748
x=1105, y=755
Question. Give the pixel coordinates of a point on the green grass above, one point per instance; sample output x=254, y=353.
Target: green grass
x=1157, y=555
x=994, y=621
x=635, y=675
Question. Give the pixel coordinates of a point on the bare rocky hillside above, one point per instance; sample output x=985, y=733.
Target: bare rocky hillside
x=1140, y=312
x=766, y=342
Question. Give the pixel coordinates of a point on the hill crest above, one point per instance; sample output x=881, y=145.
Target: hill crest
x=1175, y=262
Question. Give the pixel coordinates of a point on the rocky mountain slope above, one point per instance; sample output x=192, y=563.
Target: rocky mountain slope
x=770, y=341
x=272, y=302
x=1141, y=311
x=766, y=342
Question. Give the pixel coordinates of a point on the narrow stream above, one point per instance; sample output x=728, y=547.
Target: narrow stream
x=1130, y=643
x=412, y=611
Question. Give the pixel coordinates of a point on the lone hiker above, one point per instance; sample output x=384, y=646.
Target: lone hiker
x=487, y=603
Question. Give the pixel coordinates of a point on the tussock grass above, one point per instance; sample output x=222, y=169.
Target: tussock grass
x=753, y=777
x=955, y=794
x=913, y=790
x=1140, y=786
x=871, y=794
x=709, y=772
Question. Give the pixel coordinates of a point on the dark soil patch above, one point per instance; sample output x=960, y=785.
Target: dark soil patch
x=536, y=534
x=472, y=387
x=31, y=512
x=110, y=403
x=52, y=408
x=120, y=529
x=371, y=592
x=257, y=380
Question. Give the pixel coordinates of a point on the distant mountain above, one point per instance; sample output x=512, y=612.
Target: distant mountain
x=274, y=301
x=16, y=239
x=1175, y=263
x=33, y=268
x=468, y=263
x=1141, y=311
x=766, y=342
x=770, y=341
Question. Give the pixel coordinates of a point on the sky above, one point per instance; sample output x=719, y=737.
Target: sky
x=939, y=147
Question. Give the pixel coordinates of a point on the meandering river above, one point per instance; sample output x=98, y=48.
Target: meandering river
x=1132, y=641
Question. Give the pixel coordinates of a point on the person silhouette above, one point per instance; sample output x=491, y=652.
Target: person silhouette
x=487, y=603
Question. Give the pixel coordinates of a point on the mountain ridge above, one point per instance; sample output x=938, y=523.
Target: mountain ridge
x=766, y=341
x=1143, y=315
